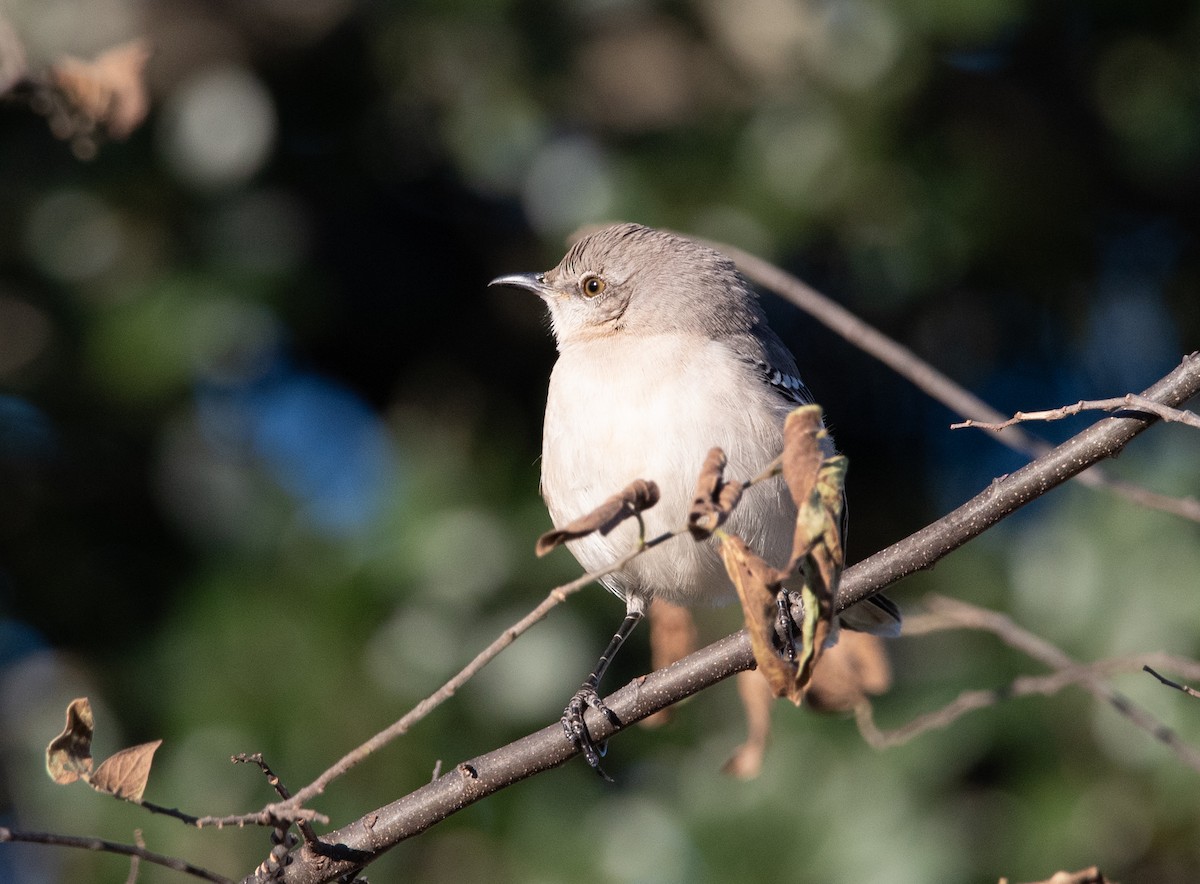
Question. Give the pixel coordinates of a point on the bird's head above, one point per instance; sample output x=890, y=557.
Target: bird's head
x=630, y=279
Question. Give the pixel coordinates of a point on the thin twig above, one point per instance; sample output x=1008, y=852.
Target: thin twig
x=281, y=790
x=269, y=817
x=925, y=377
x=951, y=613
x=1190, y=691
x=105, y=846
x=401, y=726
x=1128, y=402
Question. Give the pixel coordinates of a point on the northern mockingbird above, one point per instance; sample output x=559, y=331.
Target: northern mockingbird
x=663, y=353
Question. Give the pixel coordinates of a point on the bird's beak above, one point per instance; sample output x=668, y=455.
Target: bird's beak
x=535, y=282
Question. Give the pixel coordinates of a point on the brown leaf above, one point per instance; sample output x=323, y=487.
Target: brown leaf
x=124, y=774
x=715, y=497
x=639, y=495
x=802, y=452
x=672, y=637
x=757, y=585
x=69, y=755
x=109, y=91
x=855, y=667
x=746, y=761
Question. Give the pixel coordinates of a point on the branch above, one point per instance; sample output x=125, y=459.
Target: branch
x=952, y=614
x=925, y=377
x=1128, y=402
x=352, y=847
x=400, y=727
x=359, y=843
x=1007, y=494
x=1190, y=691
x=104, y=846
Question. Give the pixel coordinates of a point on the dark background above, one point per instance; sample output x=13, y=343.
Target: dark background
x=268, y=444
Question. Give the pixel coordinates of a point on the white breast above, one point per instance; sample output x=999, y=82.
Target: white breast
x=678, y=397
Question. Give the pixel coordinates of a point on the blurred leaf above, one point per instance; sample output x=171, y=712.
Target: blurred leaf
x=746, y=761
x=855, y=667
x=109, y=91
x=672, y=637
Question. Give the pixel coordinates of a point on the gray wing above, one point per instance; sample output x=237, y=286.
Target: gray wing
x=774, y=363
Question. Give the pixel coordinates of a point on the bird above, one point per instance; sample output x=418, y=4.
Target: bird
x=664, y=352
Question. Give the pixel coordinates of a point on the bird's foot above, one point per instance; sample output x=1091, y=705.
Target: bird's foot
x=791, y=614
x=576, y=730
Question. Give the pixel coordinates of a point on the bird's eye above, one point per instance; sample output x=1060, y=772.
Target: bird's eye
x=593, y=285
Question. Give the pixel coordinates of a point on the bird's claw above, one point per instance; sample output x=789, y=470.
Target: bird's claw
x=790, y=616
x=576, y=729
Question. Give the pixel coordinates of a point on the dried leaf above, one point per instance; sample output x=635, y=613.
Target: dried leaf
x=803, y=432
x=639, y=495
x=715, y=497
x=746, y=761
x=815, y=632
x=757, y=585
x=672, y=637
x=855, y=667
x=816, y=479
x=109, y=91
x=124, y=774
x=69, y=755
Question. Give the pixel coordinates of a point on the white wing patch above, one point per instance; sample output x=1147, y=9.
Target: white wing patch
x=789, y=386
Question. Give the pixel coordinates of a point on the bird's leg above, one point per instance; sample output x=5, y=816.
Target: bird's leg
x=588, y=695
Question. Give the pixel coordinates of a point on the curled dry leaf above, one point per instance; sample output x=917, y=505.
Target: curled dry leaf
x=715, y=496
x=637, y=496
x=746, y=761
x=124, y=773
x=854, y=668
x=69, y=755
x=803, y=433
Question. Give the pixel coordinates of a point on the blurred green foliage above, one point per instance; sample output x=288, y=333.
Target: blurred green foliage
x=268, y=448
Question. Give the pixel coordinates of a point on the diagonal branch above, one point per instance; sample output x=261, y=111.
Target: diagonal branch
x=357, y=844
x=928, y=379
x=1102, y=440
